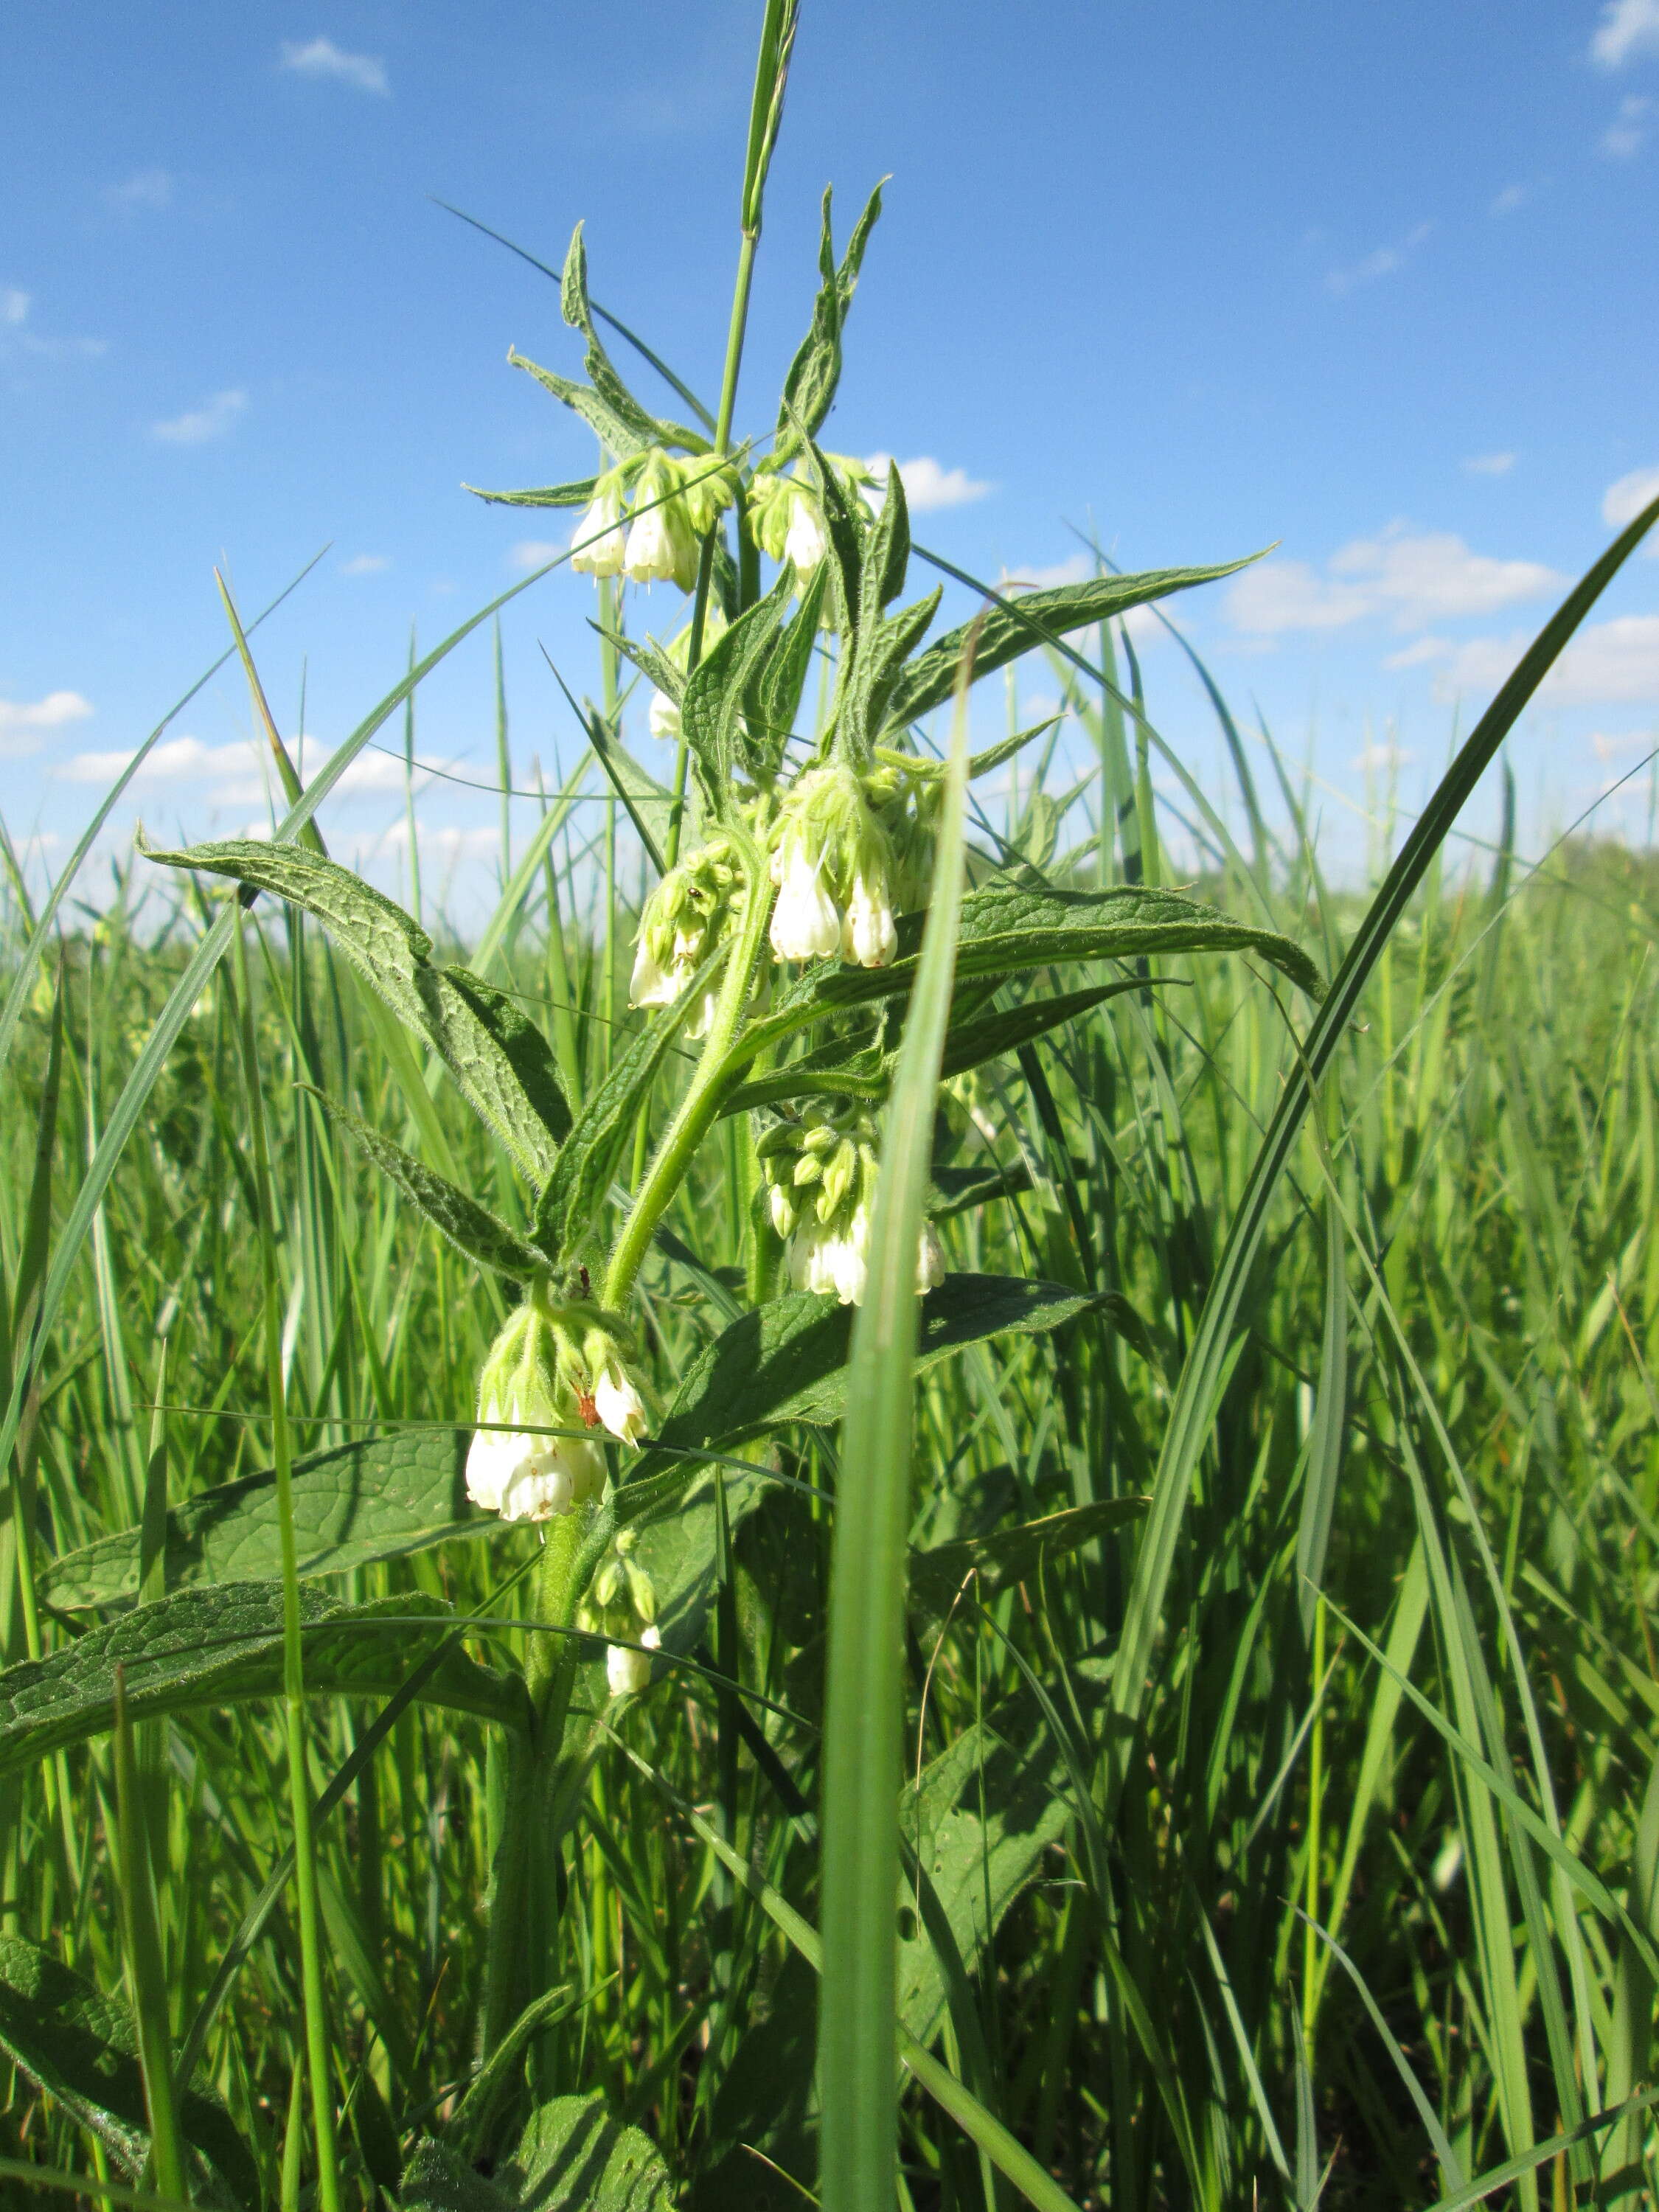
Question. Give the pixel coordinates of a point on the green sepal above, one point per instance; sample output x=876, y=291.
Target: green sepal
x=472, y=1228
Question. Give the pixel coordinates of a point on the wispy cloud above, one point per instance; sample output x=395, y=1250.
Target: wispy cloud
x=1610, y=661
x=321, y=57
x=1384, y=262
x=1511, y=197
x=1622, y=501
x=24, y=721
x=16, y=336
x=237, y=774
x=14, y=307
x=1489, y=464
x=1628, y=28
x=200, y=425
x=146, y=192
x=1382, y=758
x=1412, y=577
x=1626, y=134
x=929, y=486
x=533, y=553
x=365, y=564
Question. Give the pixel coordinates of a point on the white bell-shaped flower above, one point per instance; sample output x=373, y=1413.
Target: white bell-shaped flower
x=627, y=1671
x=525, y=1477
x=598, y=538
x=805, y=923
x=619, y=1404
x=651, y=983
x=868, y=934
x=806, y=544
x=653, y=554
x=663, y=718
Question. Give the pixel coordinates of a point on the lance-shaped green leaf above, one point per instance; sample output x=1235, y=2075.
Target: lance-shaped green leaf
x=524, y=1047
x=224, y=1646
x=577, y=493
x=971, y=1044
x=714, y=691
x=80, y=2048
x=1010, y=1555
x=393, y=954
x=775, y=696
x=809, y=388
x=567, y=1218
x=786, y=1361
x=617, y=429
x=357, y=1503
x=1010, y=927
x=606, y=379
x=1008, y=631
x=472, y=1228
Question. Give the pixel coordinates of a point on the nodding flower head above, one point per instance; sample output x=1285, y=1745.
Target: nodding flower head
x=785, y=513
x=820, y=1175
x=661, y=545
x=512, y=1468
x=598, y=538
x=683, y=920
x=833, y=863
x=561, y=1365
x=622, y=1602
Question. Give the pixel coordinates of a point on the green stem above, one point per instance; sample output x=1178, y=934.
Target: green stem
x=702, y=1103
x=318, y=2067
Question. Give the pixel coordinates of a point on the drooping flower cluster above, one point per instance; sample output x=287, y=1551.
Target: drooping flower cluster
x=786, y=515
x=820, y=1174
x=663, y=716
x=622, y=1602
x=647, y=515
x=555, y=1366
x=682, y=921
x=848, y=855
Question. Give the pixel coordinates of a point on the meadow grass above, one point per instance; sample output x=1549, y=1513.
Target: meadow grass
x=1365, y=1898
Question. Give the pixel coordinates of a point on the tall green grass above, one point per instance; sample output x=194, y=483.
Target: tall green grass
x=1350, y=1880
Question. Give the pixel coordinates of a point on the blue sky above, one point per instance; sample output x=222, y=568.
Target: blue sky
x=1378, y=283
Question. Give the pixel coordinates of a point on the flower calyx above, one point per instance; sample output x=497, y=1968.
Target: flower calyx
x=622, y=1603
x=837, y=872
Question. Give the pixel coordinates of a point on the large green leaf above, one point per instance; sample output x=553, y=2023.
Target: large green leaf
x=809, y=387
x=353, y=1505
x=222, y=1646
x=461, y=1018
x=1006, y=632
x=984, y=1813
x=1007, y=928
x=81, y=2049
x=572, y=2157
x=472, y=1228
x=1010, y=1555
x=787, y=1360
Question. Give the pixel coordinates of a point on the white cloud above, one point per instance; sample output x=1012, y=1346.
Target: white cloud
x=1277, y=595
x=1382, y=758
x=365, y=564
x=321, y=57
x=1610, y=661
x=1489, y=464
x=532, y=553
x=25, y=717
x=1072, y=570
x=1623, y=500
x=1605, y=748
x=1414, y=578
x=928, y=485
x=1626, y=134
x=240, y=773
x=199, y=424
x=1511, y=197
x=1419, y=655
x=14, y=307
x=147, y=189
x=1383, y=263
x=1628, y=28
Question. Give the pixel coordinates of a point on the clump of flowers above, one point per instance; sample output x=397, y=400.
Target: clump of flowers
x=786, y=515
x=555, y=1366
x=647, y=515
x=820, y=1175
x=622, y=1603
x=837, y=872
x=682, y=921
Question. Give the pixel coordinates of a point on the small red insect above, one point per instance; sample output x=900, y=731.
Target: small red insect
x=587, y=1409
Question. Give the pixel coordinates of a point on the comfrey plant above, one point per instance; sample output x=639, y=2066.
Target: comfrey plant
x=774, y=963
